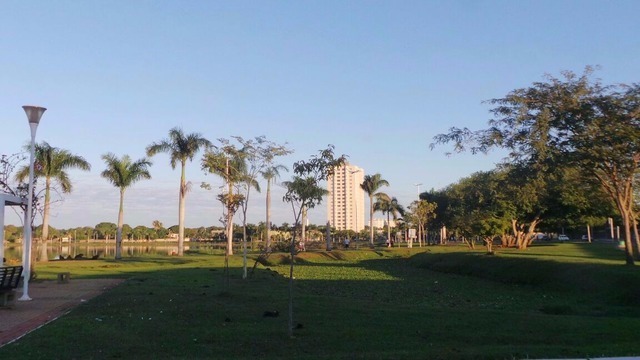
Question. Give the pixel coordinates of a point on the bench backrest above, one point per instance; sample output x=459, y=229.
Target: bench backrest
x=10, y=277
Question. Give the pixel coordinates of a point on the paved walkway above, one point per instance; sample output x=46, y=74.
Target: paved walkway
x=50, y=301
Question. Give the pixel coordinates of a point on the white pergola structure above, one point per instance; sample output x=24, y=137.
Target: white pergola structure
x=6, y=199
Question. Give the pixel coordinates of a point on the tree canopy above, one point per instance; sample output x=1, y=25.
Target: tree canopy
x=569, y=122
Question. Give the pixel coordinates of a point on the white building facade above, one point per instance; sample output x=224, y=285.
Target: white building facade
x=345, y=200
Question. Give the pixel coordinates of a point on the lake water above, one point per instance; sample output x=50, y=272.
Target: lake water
x=105, y=250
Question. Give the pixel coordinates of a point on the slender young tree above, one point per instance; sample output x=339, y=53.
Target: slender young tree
x=421, y=212
x=181, y=148
x=371, y=185
x=304, y=191
x=123, y=173
x=258, y=154
x=227, y=162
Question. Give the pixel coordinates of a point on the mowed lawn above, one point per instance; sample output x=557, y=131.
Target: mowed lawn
x=439, y=302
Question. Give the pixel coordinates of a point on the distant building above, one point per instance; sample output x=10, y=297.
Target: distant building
x=345, y=201
x=381, y=223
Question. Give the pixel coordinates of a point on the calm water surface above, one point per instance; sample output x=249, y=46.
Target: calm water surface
x=108, y=250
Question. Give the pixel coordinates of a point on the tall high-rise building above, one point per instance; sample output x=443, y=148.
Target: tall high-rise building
x=346, y=198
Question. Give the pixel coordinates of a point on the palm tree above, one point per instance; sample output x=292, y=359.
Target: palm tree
x=123, y=173
x=52, y=164
x=370, y=185
x=270, y=174
x=391, y=207
x=181, y=148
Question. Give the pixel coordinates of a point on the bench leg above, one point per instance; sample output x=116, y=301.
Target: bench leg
x=6, y=298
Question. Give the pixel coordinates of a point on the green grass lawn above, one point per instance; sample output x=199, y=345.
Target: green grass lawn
x=444, y=302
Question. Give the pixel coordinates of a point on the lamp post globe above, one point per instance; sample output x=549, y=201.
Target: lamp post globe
x=34, y=114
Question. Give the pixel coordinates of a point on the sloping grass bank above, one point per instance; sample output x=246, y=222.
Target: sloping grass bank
x=385, y=304
x=593, y=271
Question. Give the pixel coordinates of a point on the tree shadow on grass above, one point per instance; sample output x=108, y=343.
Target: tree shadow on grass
x=171, y=310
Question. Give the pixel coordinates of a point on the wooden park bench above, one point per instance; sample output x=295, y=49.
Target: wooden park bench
x=9, y=280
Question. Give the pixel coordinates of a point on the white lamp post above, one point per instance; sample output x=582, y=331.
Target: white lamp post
x=418, y=185
x=34, y=113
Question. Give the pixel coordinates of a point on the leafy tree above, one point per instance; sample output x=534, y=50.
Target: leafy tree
x=106, y=229
x=181, y=148
x=140, y=232
x=123, y=173
x=304, y=191
x=573, y=121
x=157, y=225
x=162, y=233
x=391, y=207
x=487, y=207
x=575, y=201
x=52, y=165
x=12, y=233
x=421, y=212
x=258, y=155
x=371, y=185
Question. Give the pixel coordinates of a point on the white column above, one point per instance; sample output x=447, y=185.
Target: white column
x=2, y=234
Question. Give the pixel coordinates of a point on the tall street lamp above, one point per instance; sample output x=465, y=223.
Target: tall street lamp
x=34, y=113
x=418, y=185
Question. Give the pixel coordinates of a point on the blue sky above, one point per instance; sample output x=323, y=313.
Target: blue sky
x=378, y=79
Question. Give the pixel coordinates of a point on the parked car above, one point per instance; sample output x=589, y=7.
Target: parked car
x=563, y=238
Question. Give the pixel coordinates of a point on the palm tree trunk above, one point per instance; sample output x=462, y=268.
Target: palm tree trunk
x=181, y=211
x=44, y=257
x=389, y=229
x=244, y=245
x=371, y=220
x=268, y=219
x=120, y=223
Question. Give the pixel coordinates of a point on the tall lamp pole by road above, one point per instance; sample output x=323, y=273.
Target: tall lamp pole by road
x=34, y=113
x=418, y=185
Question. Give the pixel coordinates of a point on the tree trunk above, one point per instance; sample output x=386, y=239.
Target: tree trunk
x=626, y=223
x=388, y=228
x=268, y=219
x=292, y=253
x=371, y=220
x=637, y=238
x=244, y=246
x=488, y=240
x=120, y=223
x=44, y=257
x=328, y=235
x=229, y=213
x=181, y=204
x=530, y=234
x=303, y=232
